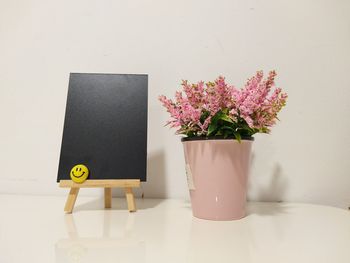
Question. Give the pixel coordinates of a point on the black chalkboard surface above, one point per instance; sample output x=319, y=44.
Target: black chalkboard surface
x=105, y=126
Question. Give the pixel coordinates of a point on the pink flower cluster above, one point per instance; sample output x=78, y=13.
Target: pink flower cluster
x=251, y=109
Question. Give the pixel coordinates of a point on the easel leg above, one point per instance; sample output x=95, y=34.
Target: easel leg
x=108, y=197
x=72, y=197
x=130, y=199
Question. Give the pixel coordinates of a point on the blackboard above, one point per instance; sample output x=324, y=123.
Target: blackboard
x=105, y=126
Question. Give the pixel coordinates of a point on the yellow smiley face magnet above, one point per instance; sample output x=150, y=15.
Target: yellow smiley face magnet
x=79, y=173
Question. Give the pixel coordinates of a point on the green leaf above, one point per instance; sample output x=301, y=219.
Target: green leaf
x=227, y=128
x=220, y=115
x=219, y=132
x=190, y=134
x=212, y=128
x=238, y=136
x=264, y=130
x=226, y=133
x=215, y=118
x=225, y=111
x=224, y=117
x=219, y=123
x=204, y=115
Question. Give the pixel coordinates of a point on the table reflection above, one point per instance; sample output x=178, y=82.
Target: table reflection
x=116, y=241
x=167, y=232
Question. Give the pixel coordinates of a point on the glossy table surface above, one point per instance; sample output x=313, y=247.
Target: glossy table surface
x=35, y=229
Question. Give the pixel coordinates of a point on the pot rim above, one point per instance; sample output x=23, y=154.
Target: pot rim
x=204, y=138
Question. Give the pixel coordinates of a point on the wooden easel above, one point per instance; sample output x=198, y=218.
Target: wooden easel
x=127, y=184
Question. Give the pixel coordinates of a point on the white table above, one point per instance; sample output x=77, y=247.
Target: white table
x=35, y=229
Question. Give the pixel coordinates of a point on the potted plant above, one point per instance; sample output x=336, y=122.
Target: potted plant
x=218, y=122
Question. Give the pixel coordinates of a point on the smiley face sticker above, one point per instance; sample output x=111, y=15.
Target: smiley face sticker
x=79, y=173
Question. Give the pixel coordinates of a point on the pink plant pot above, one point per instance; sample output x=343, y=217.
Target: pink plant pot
x=217, y=175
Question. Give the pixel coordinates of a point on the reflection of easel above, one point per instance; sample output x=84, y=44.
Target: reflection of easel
x=119, y=240
x=127, y=184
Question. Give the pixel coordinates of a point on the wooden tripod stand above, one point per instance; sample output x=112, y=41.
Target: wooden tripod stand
x=127, y=184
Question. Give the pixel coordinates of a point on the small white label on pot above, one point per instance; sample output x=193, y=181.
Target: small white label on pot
x=189, y=177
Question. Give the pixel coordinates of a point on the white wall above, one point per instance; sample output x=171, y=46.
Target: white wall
x=305, y=159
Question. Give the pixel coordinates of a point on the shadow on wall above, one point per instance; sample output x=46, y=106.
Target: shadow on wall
x=275, y=189
x=155, y=187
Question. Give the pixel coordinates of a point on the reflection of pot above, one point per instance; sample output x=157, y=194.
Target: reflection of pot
x=217, y=173
x=230, y=242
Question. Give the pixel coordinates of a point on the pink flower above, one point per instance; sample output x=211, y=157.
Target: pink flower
x=249, y=110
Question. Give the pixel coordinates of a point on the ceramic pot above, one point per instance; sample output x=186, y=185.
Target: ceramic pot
x=217, y=174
